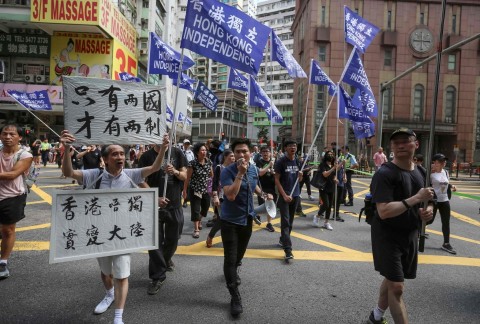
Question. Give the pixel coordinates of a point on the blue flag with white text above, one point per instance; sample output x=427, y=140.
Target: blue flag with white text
x=237, y=81
x=355, y=75
x=181, y=117
x=346, y=107
x=163, y=59
x=185, y=82
x=188, y=121
x=364, y=128
x=358, y=31
x=319, y=77
x=206, y=96
x=283, y=56
x=37, y=100
x=258, y=98
x=127, y=77
x=225, y=34
x=169, y=114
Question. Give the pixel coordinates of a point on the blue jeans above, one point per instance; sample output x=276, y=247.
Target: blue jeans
x=287, y=214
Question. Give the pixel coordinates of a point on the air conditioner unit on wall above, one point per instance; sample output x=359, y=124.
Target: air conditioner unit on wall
x=39, y=78
x=29, y=78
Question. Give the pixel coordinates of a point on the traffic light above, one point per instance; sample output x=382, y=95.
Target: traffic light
x=27, y=132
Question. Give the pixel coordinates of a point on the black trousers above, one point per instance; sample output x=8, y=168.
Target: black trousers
x=287, y=214
x=347, y=188
x=169, y=231
x=235, y=240
x=444, y=209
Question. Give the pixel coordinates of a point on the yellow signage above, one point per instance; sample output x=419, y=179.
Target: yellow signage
x=75, y=54
x=101, y=13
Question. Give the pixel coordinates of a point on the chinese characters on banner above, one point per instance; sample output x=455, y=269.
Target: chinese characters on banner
x=358, y=31
x=206, y=96
x=37, y=100
x=113, y=112
x=224, y=34
x=237, y=81
x=96, y=223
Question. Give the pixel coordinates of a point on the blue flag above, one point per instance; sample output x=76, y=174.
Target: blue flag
x=355, y=75
x=318, y=76
x=283, y=56
x=37, y=100
x=188, y=121
x=169, y=114
x=206, y=96
x=258, y=98
x=164, y=60
x=363, y=129
x=358, y=31
x=224, y=34
x=185, y=82
x=181, y=116
x=346, y=107
x=127, y=77
x=237, y=81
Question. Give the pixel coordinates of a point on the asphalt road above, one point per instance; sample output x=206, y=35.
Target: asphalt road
x=331, y=279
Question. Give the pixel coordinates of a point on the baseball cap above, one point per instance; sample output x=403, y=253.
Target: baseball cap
x=186, y=141
x=439, y=157
x=403, y=130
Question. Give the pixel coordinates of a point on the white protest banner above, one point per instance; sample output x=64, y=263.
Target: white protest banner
x=100, y=111
x=95, y=223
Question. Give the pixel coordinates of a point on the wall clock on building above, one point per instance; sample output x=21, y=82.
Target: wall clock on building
x=421, y=40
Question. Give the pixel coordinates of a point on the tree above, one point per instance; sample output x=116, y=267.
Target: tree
x=263, y=134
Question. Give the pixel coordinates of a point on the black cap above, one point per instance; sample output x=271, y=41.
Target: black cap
x=403, y=130
x=439, y=157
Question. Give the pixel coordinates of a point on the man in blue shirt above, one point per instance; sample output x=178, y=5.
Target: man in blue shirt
x=239, y=181
x=287, y=171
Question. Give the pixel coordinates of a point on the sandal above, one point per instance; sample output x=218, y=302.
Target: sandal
x=200, y=226
x=209, y=242
x=196, y=234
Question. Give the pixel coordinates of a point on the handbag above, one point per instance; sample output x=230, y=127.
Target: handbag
x=318, y=181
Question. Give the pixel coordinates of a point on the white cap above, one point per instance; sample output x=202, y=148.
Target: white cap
x=186, y=141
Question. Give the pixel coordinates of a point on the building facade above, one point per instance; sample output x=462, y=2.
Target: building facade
x=409, y=34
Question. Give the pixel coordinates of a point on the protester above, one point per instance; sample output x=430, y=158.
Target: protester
x=115, y=270
x=287, y=171
x=91, y=157
x=170, y=213
x=239, y=181
x=349, y=165
x=13, y=194
x=45, y=151
x=398, y=192
x=215, y=150
x=328, y=168
x=199, y=171
x=217, y=192
x=379, y=158
x=187, y=151
x=35, y=148
x=267, y=180
x=440, y=182
x=307, y=170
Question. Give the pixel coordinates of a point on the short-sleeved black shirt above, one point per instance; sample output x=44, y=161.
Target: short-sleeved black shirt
x=330, y=186
x=267, y=181
x=91, y=160
x=157, y=179
x=391, y=183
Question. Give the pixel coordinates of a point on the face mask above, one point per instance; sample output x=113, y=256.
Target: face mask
x=330, y=158
x=213, y=150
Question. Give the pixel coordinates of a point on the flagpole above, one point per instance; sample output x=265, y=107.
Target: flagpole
x=336, y=153
x=231, y=113
x=223, y=107
x=174, y=124
x=267, y=65
x=428, y=165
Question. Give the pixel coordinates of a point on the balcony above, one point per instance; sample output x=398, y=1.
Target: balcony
x=323, y=35
x=389, y=38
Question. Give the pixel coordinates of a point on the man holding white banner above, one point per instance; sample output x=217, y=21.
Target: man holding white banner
x=115, y=269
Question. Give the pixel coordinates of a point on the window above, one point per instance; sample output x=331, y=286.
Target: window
x=389, y=20
x=450, y=102
x=452, y=62
x=387, y=61
x=454, y=24
x=418, y=102
x=322, y=53
x=477, y=133
x=323, y=16
x=387, y=104
x=422, y=18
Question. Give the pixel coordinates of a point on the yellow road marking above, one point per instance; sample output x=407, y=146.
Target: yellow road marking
x=33, y=227
x=45, y=196
x=464, y=218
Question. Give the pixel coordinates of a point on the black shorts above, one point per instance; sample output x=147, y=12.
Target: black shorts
x=12, y=209
x=395, y=253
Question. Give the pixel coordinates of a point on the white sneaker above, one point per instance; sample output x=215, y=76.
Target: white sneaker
x=104, y=304
x=328, y=226
x=315, y=222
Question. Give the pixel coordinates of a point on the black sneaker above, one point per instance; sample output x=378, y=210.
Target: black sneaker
x=447, y=247
x=154, y=287
x=184, y=204
x=339, y=219
x=210, y=223
x=170, y=266
x=270, y=228
x=371, y=320
x=288, y=255
x=350, y=203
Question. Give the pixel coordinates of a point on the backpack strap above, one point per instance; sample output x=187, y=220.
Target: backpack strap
x=97, y=181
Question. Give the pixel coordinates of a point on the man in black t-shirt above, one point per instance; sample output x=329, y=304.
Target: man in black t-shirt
x=267, y=181
x=397, y=189
x=91, y=157
x=170, y=212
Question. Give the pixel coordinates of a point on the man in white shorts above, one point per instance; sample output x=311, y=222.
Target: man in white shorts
x=115, y=269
